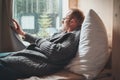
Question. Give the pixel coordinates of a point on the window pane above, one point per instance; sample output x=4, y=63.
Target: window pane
x=38, y=17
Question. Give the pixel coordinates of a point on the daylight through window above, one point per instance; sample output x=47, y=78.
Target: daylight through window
x=38, y=17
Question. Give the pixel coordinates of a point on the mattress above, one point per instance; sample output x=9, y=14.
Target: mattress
x=67, y=75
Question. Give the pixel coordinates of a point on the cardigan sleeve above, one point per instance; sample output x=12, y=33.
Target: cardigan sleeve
x=29, y=38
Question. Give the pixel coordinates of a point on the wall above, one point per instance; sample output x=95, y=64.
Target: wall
x=73, y=3
x=116, y=41
x=104, y=9
x=0, y=21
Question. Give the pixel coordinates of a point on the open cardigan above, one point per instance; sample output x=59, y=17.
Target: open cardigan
x=44, y=56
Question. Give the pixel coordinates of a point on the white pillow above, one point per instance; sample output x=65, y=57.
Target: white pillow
x=93, y=47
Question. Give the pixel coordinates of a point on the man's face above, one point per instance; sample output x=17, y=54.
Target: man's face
x=66, y=20
x=69, y=23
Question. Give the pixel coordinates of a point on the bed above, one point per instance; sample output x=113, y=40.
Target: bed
x=67, y=75
x=102, y=71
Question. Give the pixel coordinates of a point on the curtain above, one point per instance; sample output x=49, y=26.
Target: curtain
x=8, y=38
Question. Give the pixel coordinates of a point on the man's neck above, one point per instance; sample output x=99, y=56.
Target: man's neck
x=70, y=29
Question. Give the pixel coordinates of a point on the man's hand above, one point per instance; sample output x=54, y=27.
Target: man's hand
x=18, y=29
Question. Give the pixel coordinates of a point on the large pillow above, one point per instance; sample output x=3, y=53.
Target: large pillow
x=93, y=47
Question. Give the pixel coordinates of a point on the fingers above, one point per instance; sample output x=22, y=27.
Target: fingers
x=16, y=25
x=17, y=28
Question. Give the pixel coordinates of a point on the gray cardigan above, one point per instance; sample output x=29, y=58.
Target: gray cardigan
x=44, y=56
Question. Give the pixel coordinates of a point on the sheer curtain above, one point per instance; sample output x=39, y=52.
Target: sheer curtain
x=8, y=39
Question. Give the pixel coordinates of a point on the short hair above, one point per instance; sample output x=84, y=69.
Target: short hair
x=78, y=14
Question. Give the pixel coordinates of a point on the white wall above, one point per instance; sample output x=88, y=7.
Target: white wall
x=104, y=9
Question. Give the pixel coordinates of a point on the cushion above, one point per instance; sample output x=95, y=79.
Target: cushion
x=93, y=47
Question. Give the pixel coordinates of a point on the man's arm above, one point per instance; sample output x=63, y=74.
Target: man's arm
x=59, y=52
x=29, y=38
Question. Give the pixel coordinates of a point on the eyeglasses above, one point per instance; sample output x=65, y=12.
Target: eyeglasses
x=65, y=18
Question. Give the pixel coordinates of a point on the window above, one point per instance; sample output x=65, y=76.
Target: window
x=39, y=17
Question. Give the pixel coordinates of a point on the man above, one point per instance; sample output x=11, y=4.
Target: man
x=44, y=56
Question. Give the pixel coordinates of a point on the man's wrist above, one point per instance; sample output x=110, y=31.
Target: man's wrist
x=23, y=33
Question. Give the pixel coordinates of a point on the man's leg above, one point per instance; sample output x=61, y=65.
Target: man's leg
x=7, y=73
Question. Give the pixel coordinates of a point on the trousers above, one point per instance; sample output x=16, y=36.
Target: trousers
x=6, y=73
